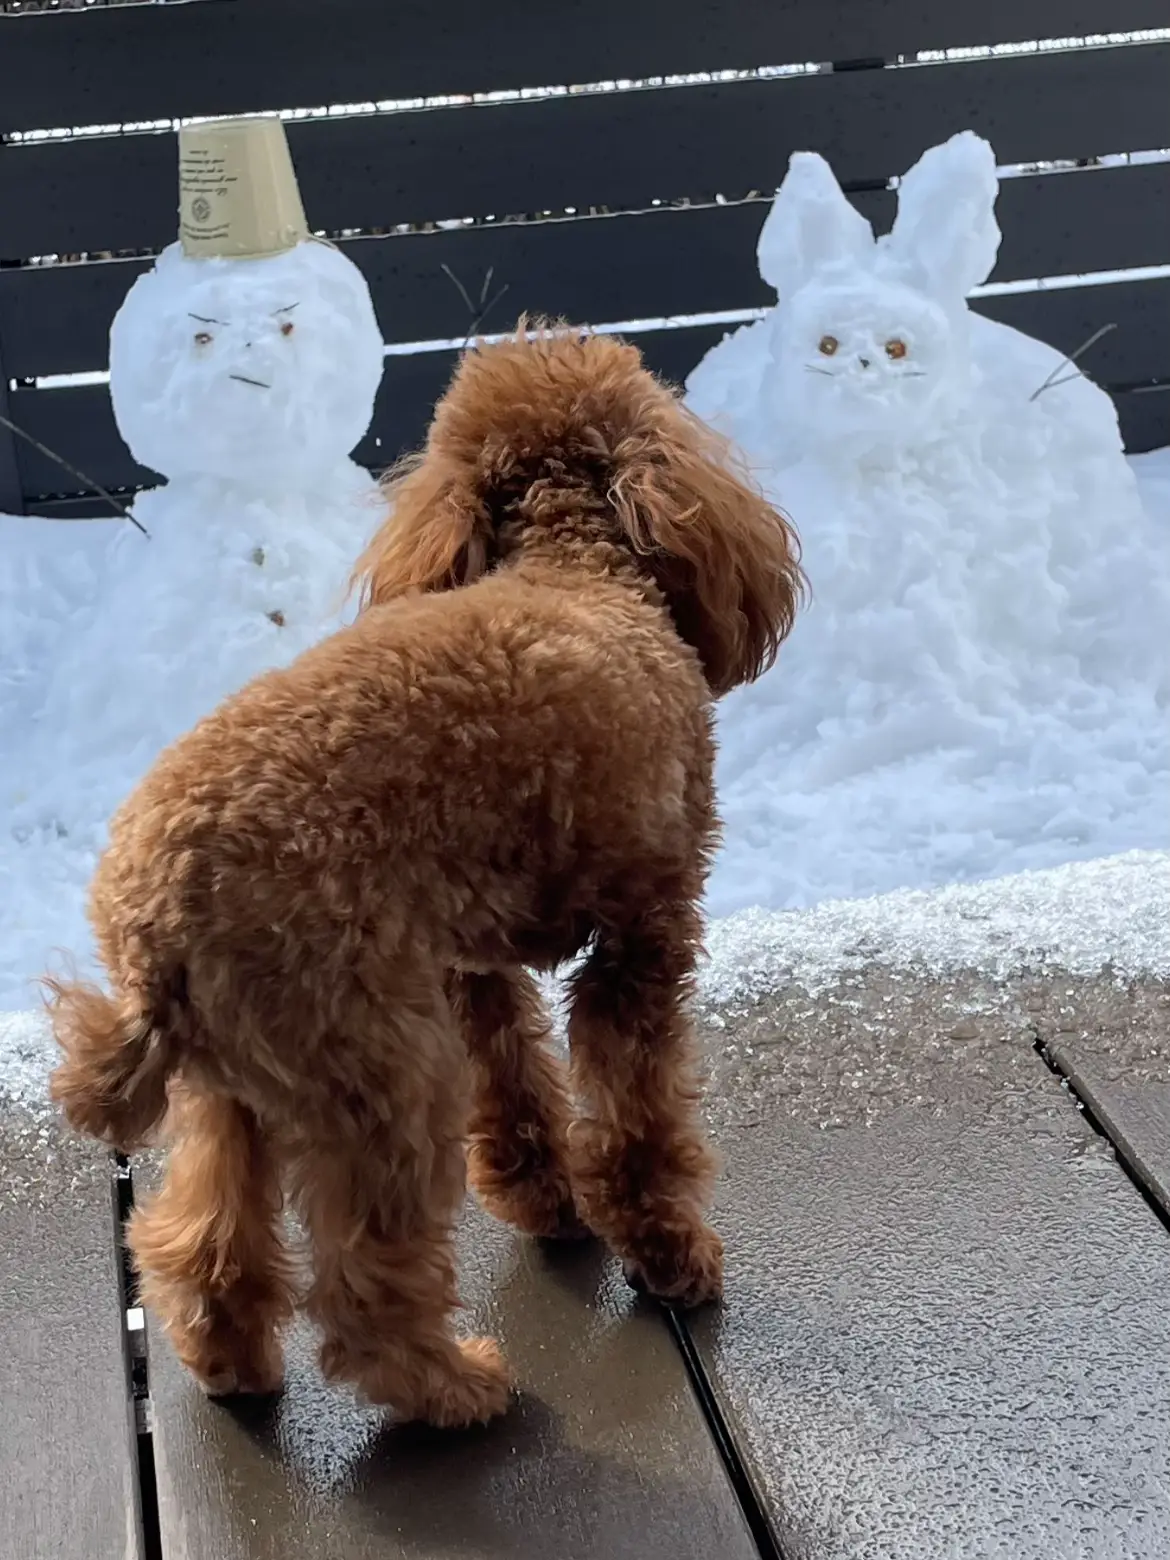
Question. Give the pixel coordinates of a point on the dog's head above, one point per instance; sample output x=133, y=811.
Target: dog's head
x=552, y=406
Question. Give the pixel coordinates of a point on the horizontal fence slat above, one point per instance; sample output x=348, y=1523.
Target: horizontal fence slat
x=10, y=483
x=413, y=384
x=79, y=423
x=1099, y=219
x=124, y=64
x=56, y=319
x=85, y=507
x=621, y=150
x=1145, y=418
x=1136, y=352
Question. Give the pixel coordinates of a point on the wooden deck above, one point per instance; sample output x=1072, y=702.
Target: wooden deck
x=69, y=1484
x=946, y=1329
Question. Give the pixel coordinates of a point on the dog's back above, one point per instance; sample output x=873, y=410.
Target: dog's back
x=482, y=768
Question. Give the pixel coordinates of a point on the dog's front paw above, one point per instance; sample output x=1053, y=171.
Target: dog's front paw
x=683, y=1267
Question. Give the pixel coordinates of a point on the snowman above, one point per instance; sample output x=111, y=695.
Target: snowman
x=243, y=369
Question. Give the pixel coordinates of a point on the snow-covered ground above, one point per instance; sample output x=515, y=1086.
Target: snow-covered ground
x=112, y=645
x=837, y=814
x=823, y=800
x=1080, y=919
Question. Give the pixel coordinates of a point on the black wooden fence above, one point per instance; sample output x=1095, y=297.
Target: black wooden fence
x=603, y=205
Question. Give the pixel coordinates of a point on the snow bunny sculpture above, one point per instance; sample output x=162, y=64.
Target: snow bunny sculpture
x=872, y=350
x=243, y=368
x=872, y=370
x=985, y=584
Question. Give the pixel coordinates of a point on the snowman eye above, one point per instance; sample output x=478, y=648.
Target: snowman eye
x=828, y=345
x=202, y=338
x=286, y=328
x=896, y=348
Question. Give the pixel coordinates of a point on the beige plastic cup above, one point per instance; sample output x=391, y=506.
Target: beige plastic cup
x=238, y=195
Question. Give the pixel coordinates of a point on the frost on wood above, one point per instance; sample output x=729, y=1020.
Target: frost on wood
x=981, y=681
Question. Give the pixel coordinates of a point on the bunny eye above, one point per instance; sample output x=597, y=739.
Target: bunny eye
x=286, y=328
x=202, y=338
x=828, y=345
x=896, y=349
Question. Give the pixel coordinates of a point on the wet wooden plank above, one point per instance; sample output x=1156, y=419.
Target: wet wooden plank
x=1114, y=1048
x=946, y=1330
x=66, y=1430
x=605, y=1453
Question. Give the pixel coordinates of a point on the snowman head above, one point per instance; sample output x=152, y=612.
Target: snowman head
x=870, y=338
x=260, y=372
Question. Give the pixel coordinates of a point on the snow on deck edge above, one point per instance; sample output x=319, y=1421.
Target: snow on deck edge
x=1107, y=915
x=1111, y=915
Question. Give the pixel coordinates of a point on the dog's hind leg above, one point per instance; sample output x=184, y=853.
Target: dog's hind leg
x=642, y=1168
x=518, y=1153
x=208, y=1247
x=380, y=1192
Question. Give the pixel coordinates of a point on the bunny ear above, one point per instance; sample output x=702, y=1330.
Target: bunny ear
x=810, y=224
x=946, y=231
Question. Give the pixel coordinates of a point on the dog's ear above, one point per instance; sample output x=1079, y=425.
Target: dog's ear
x=435, y=537
x=727, y=562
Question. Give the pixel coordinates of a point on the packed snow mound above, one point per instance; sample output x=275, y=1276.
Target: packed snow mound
x=227, y=586
x=982, y=678
x=1112, y=914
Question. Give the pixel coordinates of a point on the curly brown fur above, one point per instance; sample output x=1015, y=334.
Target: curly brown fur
x=316, y=910
x=208, y=1245
x=518, y=1138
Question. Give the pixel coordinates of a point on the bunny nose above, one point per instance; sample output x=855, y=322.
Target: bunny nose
x=864, y=362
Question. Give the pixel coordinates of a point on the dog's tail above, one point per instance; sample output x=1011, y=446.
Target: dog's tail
x=119, y=1056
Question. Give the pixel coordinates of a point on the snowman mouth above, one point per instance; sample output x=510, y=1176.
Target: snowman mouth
x=244, y=380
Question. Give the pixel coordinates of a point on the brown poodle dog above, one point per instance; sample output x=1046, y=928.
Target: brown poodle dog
x=323, y=899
